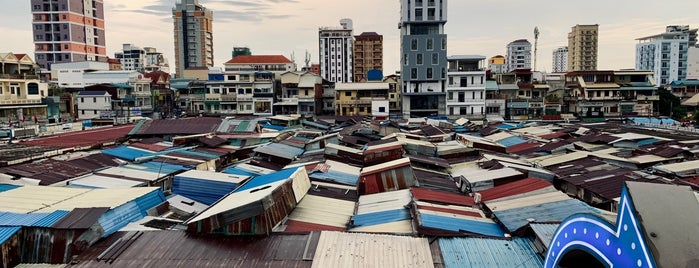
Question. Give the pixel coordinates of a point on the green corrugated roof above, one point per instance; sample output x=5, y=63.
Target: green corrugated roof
x=120, y=85
x=491, y=85
x=637, y=88
x=685, y=83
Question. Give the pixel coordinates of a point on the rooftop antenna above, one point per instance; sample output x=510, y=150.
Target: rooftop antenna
x=536, y=44
x=308, y=58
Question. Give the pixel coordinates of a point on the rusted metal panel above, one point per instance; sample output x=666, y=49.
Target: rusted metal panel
x=387, y=180
x=10, y=247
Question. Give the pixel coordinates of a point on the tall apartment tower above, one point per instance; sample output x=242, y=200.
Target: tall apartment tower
x=560, y=60
x=194, y=45
x=335, y=51
x=668, y=54
x=68, y=31
x=582, y=47
x=368, y=54
x=132, y=58
x=496, y=64
x=519, y=55
x=423, y=57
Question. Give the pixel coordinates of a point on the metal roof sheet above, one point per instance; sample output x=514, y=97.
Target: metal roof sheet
x=8, y=187
x=80, y=218
x=127, y=153
x=268, y=178
x=485, y=252
x=334, y=171
x=212, y=176
x=544, y=231
x=459, y=223
x=526, y=201
x=555, y=159
x=185, y=204
x=323, y=211
x=512, y=141
x=97, y=181
x=687, y=167
x=280, y=150
x=85, y=138
x=247, y=170
x=478, y=175
x=30, y=199
x=401, y=162
x=396, y=227
x=381, y=217
x=336, y=249
x=513, y=188
x=6, y=232
x=499, y=136
x=383, y=201
x=514, y=219
x=442, y=197
x=33, y=219
x=131, y=173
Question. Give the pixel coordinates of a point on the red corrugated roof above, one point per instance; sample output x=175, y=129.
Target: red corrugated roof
x=259, y=59
x=514, y=188
x=522, y=147
x=293, y=226
x=442, y=197
x=150, y=147
x=554, y=135
x=452, y=211
x=91, y=138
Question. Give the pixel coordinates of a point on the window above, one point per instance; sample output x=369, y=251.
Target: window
x=38, y=37
x=94, y=99
x=382, y=109
x=429, y=73
x=94, y=112
x=348, y=94
x=444, y=44
x=405, y=59
x=82, y=99
x=435, y=58
x=413, y=44
x=82, y=112
x=430, y=44
x=413, y=73
x=38, y=27
x=419, y=59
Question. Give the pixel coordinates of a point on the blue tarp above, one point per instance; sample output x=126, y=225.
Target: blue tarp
x=267, y=179
x=381, y=217
x=657, y=121
x=201, y=190
x=507, y=126
x=459, y=225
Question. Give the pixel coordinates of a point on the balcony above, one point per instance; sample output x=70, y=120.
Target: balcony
x=212, y=97
x=228, y=97
x=9, y=100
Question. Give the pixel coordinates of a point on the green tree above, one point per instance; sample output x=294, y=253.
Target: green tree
x=669, y=104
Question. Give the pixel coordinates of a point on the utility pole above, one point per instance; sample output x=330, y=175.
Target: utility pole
x=536, y=44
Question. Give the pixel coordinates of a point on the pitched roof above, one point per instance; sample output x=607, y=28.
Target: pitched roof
x=243, y=59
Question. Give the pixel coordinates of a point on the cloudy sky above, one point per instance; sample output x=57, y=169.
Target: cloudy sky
x=291, y=26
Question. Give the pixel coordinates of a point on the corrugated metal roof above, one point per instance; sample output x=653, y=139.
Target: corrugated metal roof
x=323, y=211
x=33, y=219
x=268, y=178
x=544, y=231
x=442, y=197
x=248, y=170
x=280, y=150
x=97, y=181
x=514, y=219
x=688, y=167
x=459, y=223
x=7, y=232
x=185, y=204
x=202, y=190
x=85, y=138
x=127, y=153
x=381, y=217
x=7, y=187
x=30, y=199
x=512, y=141
x=479, y=175
x=334, y=171
x=499, y=136
x=386, y=166
x=556, y=159
x=336, y=249
x=396, y=227
x=131, y=173
x=80, y=218
x=484, y=252
x=383, y=201
x=513, y=188
x=526, y=201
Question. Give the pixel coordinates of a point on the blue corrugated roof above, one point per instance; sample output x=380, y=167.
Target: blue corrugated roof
x=506, y=126
x=267, y=179
x=545, y=231
x=657, y=121
x=513, y=219
x=511, y=141
x=382, y=217
x=275, y=127
x=7, y=187
x=458, y=225
x=7, y=232
x=336, y=176
x=484, y=252
x=134, y=210
x=200, y=190
x=239, y=171
x=127, y=153
x=685, y=83
x=280, y=150
x=157, y=167
x=210, y=156
x=32, y=219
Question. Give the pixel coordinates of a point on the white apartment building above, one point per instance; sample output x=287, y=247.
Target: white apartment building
x=336, y=45
x=668, y=54
x=560, y=60
x=519, y=55
x=94, y=104
x=466, y=86
x=132, y=58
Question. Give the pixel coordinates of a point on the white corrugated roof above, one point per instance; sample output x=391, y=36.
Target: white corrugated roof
x=527, y=201
x=29, y=199
x=338, y=249
x=342, y=167
x=499, y=136
x=238, y=199
x=533, y=130
x=383, y=201
x=681, y=167
x=428, y=205
x=506, y=159
x=487, y=175
x=635, y=136
x=324, y=211
x=185, y=204
x=555, y=159
x=343, y=148
x=132, y=173
x=390, y=164
x=97, y=181
x=213, y=176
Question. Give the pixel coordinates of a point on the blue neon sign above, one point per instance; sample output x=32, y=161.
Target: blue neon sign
x=615, y=246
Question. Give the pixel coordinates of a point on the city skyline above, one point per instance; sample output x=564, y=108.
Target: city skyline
x=267, y=26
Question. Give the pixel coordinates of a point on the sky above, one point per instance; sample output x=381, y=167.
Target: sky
x=291, y=26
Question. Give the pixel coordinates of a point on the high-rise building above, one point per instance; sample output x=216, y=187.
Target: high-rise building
x=560, y=60
x=519, y=55
x=335, y=51
x=497, y=65
x=155, y=61
x=194, y=45
x=582, y=47
x=132, y=58
x=68, y=31
x=368, y=54
x=423, y=57
x=667, y=54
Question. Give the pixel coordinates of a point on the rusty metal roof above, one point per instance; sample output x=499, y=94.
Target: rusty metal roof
x=513, y=188
x=80, y=218
x=180, y=249
x=442, y=197
x=86, y=138
x=183, y=126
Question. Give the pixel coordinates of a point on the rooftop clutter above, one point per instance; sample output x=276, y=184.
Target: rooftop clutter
x=438, y=189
